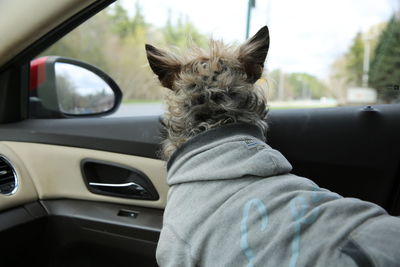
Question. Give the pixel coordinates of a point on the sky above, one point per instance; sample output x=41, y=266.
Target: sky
x=85, y=81
x=305, y=35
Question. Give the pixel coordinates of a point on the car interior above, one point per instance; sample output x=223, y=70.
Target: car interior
x=59, y=205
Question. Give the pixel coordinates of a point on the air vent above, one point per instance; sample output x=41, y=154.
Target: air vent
x=8, y=177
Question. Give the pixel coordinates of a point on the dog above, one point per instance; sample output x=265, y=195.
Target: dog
x=232, y=199
x=214, y=88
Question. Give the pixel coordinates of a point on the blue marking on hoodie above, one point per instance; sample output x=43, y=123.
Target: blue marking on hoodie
x=244, y=242
x=299, y=210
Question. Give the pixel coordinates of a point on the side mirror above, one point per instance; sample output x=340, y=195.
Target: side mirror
x=64, y=87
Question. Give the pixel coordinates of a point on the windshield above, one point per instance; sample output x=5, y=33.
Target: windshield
x=322, y=53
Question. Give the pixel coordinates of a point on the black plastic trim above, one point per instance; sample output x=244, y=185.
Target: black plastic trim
x=21, y=215
x=104, y=217
x=139, y=136
x=146, y=226
x=14, y=84
x=336, y=128
x=14, y=217
x=79, y=233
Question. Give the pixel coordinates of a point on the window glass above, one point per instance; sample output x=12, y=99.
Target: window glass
x=322, y=53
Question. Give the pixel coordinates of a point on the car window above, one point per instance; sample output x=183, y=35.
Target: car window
x=322, y=53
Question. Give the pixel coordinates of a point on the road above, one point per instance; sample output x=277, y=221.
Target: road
x=141, y=109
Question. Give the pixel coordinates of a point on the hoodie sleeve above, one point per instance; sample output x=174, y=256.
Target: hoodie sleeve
x=375, y=243
x=172, y=250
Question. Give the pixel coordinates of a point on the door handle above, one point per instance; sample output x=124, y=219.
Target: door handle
x=112, y=179
x=137, y=186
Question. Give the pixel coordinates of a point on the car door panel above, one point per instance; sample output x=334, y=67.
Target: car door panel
x=56, y=172
x=54, y=220
x=74, y=226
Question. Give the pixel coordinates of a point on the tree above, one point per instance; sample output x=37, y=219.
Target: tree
x=306, y=86
x=385, y=66
x=354, y=60
x=138, y=20
x=296, y=86
x=338, y=79
x=347, y=70
x=121, y=21
x=182, y=33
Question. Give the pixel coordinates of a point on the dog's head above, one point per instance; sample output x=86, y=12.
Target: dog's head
x=219, y=67
x=211, y=88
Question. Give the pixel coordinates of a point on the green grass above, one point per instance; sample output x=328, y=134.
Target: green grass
x=140, y=101
x=302, y=107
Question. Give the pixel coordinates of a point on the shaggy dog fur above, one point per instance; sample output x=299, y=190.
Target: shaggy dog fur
x=211, y=88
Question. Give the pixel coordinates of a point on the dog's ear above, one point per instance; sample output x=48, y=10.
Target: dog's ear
x=164, y=65
x=252, y=54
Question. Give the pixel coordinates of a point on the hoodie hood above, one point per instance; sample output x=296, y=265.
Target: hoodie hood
x=229, y=152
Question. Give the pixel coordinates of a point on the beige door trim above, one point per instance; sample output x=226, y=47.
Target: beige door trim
x=55, y=172
x=26, y=190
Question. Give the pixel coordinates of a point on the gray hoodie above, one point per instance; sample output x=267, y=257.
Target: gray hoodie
x=233, y=202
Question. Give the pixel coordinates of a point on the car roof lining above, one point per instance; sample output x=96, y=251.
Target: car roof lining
x=33, y=21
